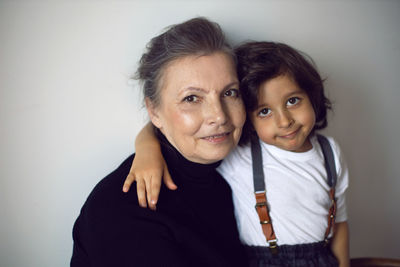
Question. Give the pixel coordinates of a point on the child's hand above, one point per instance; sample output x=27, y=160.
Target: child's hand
x=148, y=172
x=148, y=168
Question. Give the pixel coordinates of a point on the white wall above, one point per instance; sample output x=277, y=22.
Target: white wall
x=68, y=116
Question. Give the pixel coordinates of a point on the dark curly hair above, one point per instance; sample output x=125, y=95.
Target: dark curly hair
x=262, y=61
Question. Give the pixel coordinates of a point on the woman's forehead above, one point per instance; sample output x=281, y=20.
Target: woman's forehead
x=206, y=72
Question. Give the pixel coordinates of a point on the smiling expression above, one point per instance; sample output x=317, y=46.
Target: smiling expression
x=284, y=116
x=201, y=112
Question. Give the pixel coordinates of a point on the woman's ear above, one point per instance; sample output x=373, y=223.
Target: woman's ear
x=153, y=113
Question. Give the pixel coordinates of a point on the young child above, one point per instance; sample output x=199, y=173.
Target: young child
x=285, y=103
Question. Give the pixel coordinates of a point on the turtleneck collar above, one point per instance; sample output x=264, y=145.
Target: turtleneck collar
x=184, y=171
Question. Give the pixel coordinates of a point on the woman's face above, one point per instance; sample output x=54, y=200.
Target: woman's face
x=201, y=112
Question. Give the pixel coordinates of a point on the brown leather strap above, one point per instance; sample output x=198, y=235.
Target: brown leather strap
x=266, y=224
x=331, y=214
x=265, y=220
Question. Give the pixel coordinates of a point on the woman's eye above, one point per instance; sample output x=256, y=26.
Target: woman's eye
x=264, y=112
x=232, y=93
x=190, y=98
x=293, y=101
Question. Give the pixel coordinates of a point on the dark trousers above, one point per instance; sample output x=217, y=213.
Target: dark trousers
x=315, y=254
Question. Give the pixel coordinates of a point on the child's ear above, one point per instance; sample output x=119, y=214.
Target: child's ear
x=153, y=113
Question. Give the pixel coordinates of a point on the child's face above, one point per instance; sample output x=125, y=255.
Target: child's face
x=284, y=116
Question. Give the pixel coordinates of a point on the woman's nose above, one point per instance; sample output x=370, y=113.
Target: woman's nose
x=216, y=114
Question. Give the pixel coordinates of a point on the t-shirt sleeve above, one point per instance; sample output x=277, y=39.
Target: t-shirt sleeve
x=232, y=163
x=225, y=169
x=342, y=182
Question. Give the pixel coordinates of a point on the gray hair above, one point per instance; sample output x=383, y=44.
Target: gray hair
x=197, y=36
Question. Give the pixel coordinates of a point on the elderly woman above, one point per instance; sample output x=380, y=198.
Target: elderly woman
x=192, y=96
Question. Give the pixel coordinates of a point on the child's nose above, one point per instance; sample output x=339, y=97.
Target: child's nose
x=284, y=119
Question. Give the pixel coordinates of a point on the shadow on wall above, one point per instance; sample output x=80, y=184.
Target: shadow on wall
x=364, y=144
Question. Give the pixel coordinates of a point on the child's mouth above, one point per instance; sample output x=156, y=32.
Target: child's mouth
x=290, y=135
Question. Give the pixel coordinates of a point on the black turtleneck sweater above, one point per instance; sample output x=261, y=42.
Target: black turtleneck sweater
x=193, y=225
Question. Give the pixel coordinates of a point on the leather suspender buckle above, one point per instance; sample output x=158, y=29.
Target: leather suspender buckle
x=273, y=247
x=260, y=204
x=327, y=241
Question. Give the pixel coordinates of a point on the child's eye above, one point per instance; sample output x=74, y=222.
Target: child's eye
x=293, y=101
x=264, y=112
x=191, y=98
x=232, y=93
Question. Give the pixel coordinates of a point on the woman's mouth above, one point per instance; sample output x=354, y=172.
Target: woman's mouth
x=217, y=138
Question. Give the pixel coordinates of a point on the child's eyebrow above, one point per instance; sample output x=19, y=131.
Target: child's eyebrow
x=261, y=105
x=295, y=92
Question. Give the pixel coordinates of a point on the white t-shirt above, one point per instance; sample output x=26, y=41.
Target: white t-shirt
x=296, y=188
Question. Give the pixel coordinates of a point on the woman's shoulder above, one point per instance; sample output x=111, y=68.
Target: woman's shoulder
x=107, y=195
x=112, y=221
x=113, y=179
x=109, y=209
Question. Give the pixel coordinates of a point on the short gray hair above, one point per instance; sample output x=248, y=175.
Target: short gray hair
x=197, y=36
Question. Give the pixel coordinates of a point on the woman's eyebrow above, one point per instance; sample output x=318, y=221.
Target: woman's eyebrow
x=193, y=88
x=200, y=89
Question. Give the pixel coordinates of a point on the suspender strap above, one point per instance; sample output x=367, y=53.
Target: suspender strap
x=265, y=221
x=258, y=171
x=261, y=198
x=331, y=214
x=329, y=160
x=332, y=178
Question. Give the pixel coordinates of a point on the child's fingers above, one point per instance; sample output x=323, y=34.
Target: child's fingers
x=128, y=182
x=141, y=192
x=168, y=180
x=155, y=191
x=129, y=179
x=148, y=192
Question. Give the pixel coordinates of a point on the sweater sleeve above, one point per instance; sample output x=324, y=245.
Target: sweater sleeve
x=115, y=239
x=112, y=230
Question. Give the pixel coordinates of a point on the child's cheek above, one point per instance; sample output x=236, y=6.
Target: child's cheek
x=264, y=130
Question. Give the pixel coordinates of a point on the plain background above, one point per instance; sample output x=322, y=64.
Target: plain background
x=69, y=116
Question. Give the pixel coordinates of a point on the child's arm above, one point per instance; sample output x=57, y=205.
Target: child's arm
x=340, y=244
x=148, y=168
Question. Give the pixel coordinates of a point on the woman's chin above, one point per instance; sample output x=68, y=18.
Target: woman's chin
x=213, y=152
